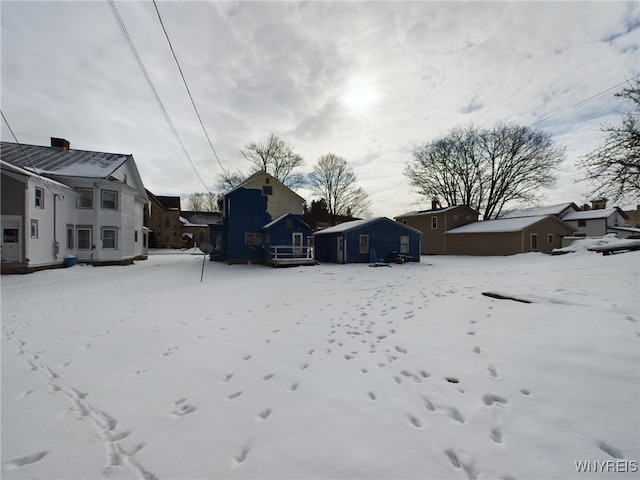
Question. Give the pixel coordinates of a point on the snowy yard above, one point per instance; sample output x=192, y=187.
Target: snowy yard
x=325, y=372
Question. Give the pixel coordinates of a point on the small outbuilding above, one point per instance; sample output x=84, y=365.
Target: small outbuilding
x=508, y=236
x=367, y=241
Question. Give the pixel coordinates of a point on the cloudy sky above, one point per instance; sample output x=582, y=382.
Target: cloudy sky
x=368, y=81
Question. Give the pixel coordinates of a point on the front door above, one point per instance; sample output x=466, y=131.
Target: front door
x=11, y=245
x=340, y=252
x=297, y=244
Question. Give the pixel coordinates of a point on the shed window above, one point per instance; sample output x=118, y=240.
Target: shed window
x=582, y=223
x=85, y=198
x=434, y=223
x=534, y=241
x=289, y=222
x=253, y=238
x=404, y=244
x=267, y=190
x=39, y=199
x=364, y=243
x=550, y=238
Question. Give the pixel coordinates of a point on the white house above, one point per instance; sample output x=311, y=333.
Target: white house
x=58, y=202
x=596, y=223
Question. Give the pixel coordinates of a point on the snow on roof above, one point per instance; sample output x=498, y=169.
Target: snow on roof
x=27, y=173
x=590, y=214
x=500, y=225
x=273, y=222
x=347, y=226
x=62, y=162
x=539, y=211
x=427, y=212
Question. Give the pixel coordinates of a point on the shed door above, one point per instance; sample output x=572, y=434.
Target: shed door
x=340, y=250
x=297, y=244
x=11, y=251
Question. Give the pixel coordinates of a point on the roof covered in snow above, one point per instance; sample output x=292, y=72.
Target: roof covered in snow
x=62, y=162
x=282, y=217
x=500, y=225
x=593, y=214
x=557, y=210
x=354, y=224
x=27, y=173
x=427, y=212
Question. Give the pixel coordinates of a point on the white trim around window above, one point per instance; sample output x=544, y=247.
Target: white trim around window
x=39, y=197
x=109, y=199
x=109, y=237
x=84, y=235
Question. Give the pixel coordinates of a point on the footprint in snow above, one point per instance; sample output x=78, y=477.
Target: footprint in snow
x=609, y=450
x=26, y=460
x=490, y=400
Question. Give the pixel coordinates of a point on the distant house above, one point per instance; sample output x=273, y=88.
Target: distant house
x=195, y=227
x=598, y=222
x=358, y=240
x=249, y=212
x=163, y=219
x=59, y=203
x=558, y=210
x=508, y=236
x=435, y=222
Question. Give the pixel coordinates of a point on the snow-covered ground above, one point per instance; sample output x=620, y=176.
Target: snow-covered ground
x=325, y=372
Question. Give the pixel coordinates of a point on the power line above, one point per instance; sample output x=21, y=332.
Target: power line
x=153, y=88
x=187, y=87
x=35, y=170
x=583, y=101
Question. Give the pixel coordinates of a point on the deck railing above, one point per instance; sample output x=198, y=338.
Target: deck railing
x=291, y=255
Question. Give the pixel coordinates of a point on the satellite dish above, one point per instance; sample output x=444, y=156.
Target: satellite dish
x=206, y=248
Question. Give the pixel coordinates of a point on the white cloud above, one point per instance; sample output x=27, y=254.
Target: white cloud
x=259, y=67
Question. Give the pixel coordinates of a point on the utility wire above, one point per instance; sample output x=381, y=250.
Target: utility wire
x=153, y=88
x=35, y=170
x=583, y=101
x=187, y=87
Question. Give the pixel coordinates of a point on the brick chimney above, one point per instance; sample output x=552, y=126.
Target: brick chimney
x=599, y=204
x=434, y=204
x=60, y=143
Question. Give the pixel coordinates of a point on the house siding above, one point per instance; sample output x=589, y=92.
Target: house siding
x=384, y=237
x=509, y=243
x=434, y=240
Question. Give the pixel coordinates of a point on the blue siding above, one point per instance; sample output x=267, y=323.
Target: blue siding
x=384, y=238
x=280, y=234
x=246, y=212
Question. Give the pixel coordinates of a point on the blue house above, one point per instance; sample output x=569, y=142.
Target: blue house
x=262, y=223
x=369, y=240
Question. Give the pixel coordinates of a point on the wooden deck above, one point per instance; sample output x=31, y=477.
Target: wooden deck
x=288, y=255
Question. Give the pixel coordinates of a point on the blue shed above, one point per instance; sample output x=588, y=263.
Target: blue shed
x=286, y=241
x=365, y=241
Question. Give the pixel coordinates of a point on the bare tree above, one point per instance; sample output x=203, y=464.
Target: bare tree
x=230, y=179
x=276, y=158
x=486, y=168
x=613, y=170
x=333, y=181
x=203, y=202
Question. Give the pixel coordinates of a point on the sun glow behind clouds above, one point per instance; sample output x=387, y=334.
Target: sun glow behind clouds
x=359, y=96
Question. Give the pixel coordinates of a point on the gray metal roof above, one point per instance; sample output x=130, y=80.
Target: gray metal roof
x=60, y=161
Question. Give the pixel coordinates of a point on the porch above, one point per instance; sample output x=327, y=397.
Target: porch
x=290, y=255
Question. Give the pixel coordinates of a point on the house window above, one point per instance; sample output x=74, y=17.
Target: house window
x=34, y=228
x=434, y=223
x=364, y=243
x=135, y=236
x=253, y=238
x=550, y=238
x=534, y=241
x=404, y=222
x=85, y=198
x=109, y=237
x=39, y=198
x=70, y=237
x=582, y=223
x=404, y=244
x=83, y=234
x=109, y=199
x=267, y=190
